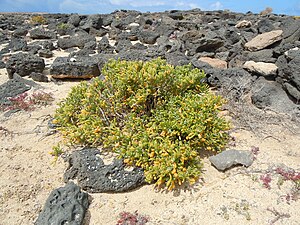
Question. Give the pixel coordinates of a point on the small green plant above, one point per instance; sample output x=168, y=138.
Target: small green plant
x=56, y=152
x=154, y=115
x=38, y=20
x=62, y=26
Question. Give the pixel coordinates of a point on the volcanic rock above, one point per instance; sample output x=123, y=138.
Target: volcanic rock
x=80, y=67
x=24, y=64
x=65, y=205
x=95, y=177
x=230, y=158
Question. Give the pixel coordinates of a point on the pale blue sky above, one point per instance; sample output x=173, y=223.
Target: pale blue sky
x=290, y=7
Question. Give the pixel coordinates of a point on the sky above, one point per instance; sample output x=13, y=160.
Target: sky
x=289, y=7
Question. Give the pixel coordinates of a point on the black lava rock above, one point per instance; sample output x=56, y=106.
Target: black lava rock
x=94, y=176
x=24, y=64
x=65, y=205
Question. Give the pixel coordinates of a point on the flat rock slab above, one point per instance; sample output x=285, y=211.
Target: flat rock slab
x=262, y=68
x=230, y=158
x=65, y=205
x=216, y=63
x=264, y=40
x=96, y=177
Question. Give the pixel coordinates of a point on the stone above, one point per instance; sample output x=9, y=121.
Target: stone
x=93, y=21
x=147, y=36
x=40, y=33
x=243, y=24
x=20, y=32
x=80, y=67
x=13, y=88
x=123, y=45
x=262, y=68
x=78, y=40
x=264, y=55
x=24, y=64
x=177, y=58
x=38, y=77
x=104, y=46
x=46, y=53
x=65, y=205
x=293, y=91
x=229, y=158
x=74, y=20
x=17, y=44
x=265, y=25
x=217, y=63
x=96, y=177
x=264, y=40
x=270, y=95
x=206, y=45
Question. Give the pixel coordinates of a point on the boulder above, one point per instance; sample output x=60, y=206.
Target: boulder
x=80, y=67
x=93, y=21
x=206, y=45
x=148, y=36
x=264, y=40
x=269, y=94
x=77, y=40
x=293, y=91
x=265, y=69
x=96, y=177
x=104, y=46
x=20, y=32
x=265, y=25
x=46, y=53
x=65, y=205
x=243, y=24
x=17, y=44
x=38, y=77
x=230, y=158
x=74, y=20
x=13, y=88
x=264, y=55
x=40, y=33
x=123, y=45
x=24, y=64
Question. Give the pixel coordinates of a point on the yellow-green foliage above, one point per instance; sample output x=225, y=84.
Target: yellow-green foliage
x=152, y=114
x=38, y=20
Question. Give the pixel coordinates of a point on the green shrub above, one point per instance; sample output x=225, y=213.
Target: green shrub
x=154, y=115
x=38, y=20
x=63, y=26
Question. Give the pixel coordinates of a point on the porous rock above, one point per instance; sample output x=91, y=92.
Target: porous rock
x=80, y=67
x=94, y=176
x=24, y=64
x=39, y=33
x=230, y=158
x=14, y=87
x=65, y=205
x=269, y=94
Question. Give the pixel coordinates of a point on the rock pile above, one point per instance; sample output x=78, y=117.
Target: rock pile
x=230, y=47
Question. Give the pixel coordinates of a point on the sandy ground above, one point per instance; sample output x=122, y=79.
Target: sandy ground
x=234, y=197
